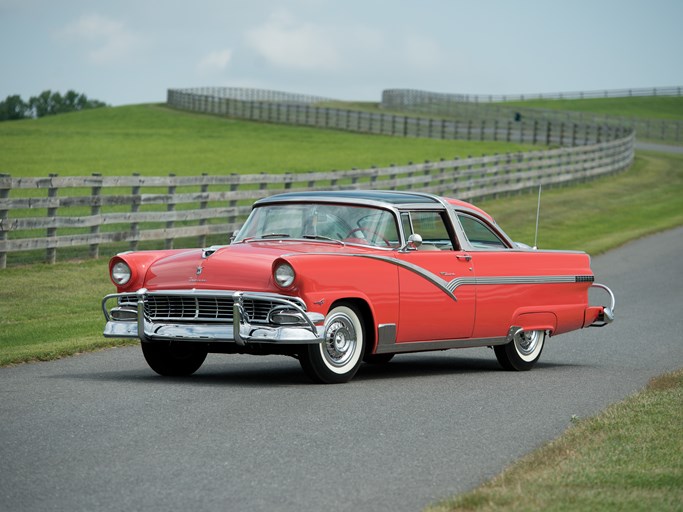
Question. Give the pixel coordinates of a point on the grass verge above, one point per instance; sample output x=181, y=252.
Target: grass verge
x=626, y=458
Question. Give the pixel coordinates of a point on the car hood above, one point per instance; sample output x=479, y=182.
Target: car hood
x=243, y=266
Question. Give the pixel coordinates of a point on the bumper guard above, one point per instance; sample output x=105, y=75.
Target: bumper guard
x=287, y=322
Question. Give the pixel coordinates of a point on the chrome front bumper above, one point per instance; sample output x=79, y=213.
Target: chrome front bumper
x=287, y=322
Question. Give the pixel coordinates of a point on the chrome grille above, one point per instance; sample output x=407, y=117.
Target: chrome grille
x=189, y=308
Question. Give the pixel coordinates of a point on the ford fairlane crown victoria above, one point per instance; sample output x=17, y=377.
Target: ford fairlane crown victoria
x=337, y=278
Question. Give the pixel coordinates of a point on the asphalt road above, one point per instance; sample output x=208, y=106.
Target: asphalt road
x=662, y=148
x=102, y=432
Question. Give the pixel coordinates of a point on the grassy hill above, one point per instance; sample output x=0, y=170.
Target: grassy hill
x=156, y=140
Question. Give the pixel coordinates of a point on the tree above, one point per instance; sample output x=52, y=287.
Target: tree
x=13, y=108
x=47, y=103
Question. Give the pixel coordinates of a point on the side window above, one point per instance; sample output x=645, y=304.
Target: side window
x=479, y=234
x=433, y=230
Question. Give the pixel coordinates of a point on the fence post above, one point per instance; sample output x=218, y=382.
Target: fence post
x=203, y=189
x=134, y=208
x=233, y=201
x=5, y=184
x=51, y=254
x=373, y=176
x=168, y=243
x=456, y=177
x=392, y=178
x=95, y=209
x=427, y=174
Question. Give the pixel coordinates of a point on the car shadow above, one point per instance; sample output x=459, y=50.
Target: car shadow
x=285, y=372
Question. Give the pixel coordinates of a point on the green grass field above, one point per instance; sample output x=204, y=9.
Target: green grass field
x=156, y=140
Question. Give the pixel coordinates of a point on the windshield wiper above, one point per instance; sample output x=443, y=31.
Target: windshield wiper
x=261, y=237
x=322, y=237
x=275, y=235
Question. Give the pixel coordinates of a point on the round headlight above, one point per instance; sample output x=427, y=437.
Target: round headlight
x=284, y=275
x=120, y=273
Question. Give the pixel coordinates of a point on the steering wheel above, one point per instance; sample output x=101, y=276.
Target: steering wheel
x=366, y=231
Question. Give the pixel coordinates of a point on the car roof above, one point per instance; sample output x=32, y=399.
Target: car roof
x=392, y=197
x=405, y=198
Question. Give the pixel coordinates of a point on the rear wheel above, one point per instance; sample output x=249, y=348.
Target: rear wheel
x=174, y=359
x=338, y=357
x=522, y=352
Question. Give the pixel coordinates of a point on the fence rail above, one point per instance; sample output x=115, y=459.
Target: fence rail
x=400, y=95
x=490, y=108
x=59, y=212
x=249, y=94
x=536, y=131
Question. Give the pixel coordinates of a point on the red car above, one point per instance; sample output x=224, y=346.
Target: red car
x=337, y=278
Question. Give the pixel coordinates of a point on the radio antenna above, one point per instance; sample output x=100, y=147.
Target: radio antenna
x=538, y=214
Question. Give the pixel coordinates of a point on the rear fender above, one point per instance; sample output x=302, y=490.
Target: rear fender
x=537, y=321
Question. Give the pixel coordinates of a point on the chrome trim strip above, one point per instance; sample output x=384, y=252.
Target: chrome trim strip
x=386, y=334
x=493, y=280
x=423, y=346
x=442, y=284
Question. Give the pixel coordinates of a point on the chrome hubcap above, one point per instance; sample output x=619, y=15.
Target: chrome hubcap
x=340, y=340
x=527, y=343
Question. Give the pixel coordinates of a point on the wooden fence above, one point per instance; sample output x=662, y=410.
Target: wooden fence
x=219, y=101
x=61, y=212
x=398, y=96
x=490, y=108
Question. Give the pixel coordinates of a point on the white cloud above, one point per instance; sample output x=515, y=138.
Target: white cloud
x=215, y=61
x=423, y=53
x=105, y=40
x=288, y=43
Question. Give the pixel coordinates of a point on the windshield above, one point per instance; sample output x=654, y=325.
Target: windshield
x=343, y=223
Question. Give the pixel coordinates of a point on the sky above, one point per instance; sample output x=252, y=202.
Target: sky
x=131, y=51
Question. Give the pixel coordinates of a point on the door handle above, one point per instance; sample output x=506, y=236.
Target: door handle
x=464, y=257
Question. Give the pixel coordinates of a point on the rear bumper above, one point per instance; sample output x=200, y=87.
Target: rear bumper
x=288, y=322
x=600, y=316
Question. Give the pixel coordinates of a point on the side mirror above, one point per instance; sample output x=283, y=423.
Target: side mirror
x=233, y=236
x=414, y=241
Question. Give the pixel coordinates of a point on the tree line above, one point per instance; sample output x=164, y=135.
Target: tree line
x=47, y=103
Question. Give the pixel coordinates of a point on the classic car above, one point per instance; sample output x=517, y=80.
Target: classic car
x=340, y=277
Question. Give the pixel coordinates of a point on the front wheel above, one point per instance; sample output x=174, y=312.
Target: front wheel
x=522, y=352
x=173, y=359
x=338, y=357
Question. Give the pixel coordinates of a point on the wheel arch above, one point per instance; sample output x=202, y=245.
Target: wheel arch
x=536, y=321
x=368, y=318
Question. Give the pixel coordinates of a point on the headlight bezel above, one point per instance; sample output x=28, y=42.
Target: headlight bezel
x=121, y=273
x=284, y=275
